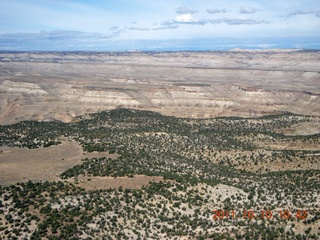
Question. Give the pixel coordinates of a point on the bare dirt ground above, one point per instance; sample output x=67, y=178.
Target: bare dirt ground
x=95, y=183
x=42, y=164
x=305, y=128
x=45, y=164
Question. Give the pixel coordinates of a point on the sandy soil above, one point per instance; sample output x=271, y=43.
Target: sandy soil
x=42, y=164
x=93, y=183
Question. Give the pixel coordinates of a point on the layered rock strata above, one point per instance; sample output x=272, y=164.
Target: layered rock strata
x=45, y=86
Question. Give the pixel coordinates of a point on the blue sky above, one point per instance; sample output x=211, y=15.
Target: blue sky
x=90, y=23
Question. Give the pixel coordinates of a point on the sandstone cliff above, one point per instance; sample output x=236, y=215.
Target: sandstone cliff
x=46, y=86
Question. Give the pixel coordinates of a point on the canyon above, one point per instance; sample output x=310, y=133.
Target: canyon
x=246, y=83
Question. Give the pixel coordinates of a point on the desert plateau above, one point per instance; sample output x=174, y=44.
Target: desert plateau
x=247, y=83
x=160, y=145
x=159, y=120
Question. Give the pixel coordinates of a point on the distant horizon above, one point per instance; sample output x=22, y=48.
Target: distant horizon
x=15, y=44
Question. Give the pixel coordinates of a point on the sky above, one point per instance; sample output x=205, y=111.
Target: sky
x=112, y=24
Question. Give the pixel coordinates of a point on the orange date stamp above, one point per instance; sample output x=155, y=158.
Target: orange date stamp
x=263, y=214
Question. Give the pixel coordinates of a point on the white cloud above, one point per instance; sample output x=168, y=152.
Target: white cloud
x=54, y=40
x=248, y=10
x=305, y=12
x=189, y=19
x=166, y=27
x=138, y=29
x=215, y=10
x=114, y=28
x=185, y=18
x=240, y=21
x=185, y=10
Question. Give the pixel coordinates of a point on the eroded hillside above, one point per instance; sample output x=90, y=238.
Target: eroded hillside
x=42, y=86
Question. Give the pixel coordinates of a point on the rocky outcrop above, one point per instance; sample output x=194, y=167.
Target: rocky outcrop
x=245, y=83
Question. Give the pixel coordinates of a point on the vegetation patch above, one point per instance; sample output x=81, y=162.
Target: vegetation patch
x=165, y=177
